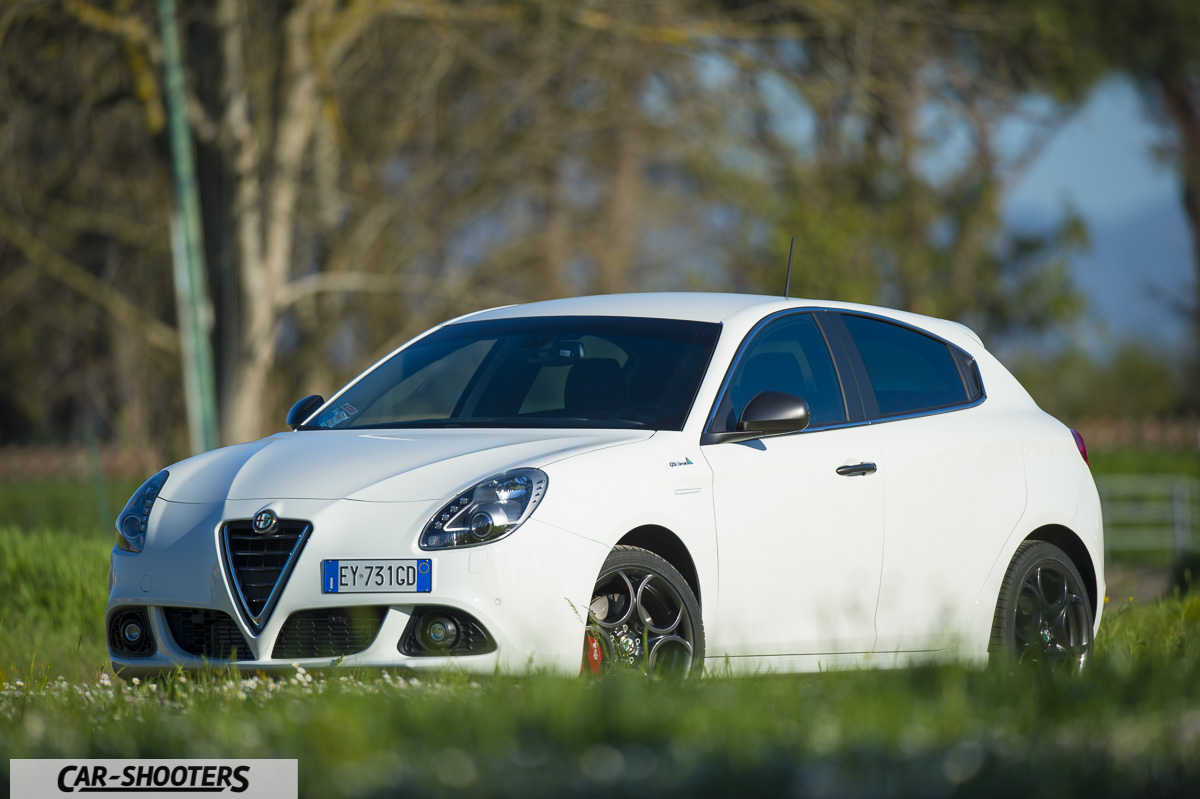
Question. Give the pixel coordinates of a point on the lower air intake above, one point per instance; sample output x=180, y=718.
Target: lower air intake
x=328, y=632
x=208, y=634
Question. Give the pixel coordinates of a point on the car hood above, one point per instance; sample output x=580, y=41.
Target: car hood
x=374, y=465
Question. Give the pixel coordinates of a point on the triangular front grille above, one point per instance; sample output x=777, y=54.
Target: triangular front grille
x=258, y=564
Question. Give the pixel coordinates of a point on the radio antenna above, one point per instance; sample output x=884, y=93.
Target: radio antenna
x=787, y=287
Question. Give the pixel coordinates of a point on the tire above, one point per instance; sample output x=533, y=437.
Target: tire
x=1043, y=614
x=643, y=616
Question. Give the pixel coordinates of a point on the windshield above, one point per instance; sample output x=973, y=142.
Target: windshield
x=573, y=371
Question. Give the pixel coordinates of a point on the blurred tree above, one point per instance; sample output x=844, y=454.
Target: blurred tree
x=371, y=167
x=1132, y=381
x=890, y=174
x=1155, y=43
x=391, y=164
x=85, y=293
x=368, y=168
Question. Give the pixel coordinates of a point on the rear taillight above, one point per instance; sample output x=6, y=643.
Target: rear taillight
x=1082, y=446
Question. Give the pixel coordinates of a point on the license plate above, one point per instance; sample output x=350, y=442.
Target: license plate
x=377, y=576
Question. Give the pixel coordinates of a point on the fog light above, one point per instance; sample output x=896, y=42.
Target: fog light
x=132, y=632
x=439, y=632
x=129, y=633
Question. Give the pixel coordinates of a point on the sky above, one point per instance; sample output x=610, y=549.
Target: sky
x=1102, y=163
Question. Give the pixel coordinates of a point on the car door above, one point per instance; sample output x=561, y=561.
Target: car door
x=800, y=544
x=955, y=481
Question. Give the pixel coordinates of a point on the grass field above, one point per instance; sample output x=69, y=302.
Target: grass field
x=1130, y=726
x=1145, y=461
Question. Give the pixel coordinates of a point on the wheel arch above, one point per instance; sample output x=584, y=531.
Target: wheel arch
x=669, y=547
x=1066, y=540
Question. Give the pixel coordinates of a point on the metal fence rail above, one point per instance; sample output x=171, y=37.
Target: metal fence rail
x=1150, y=513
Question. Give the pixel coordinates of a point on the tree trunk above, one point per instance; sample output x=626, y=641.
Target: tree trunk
x=616, y=252
x=266, y=221
x=1184, y=109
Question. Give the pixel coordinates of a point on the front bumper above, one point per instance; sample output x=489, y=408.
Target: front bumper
x=529, y=592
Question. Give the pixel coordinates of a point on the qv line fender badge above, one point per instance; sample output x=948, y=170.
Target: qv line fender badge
x=684, y=462
x=265, y=522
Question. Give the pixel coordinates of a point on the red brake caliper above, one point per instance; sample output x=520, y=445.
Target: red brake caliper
x=593, y=656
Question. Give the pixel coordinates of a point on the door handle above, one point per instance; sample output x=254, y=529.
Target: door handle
x=858, y=468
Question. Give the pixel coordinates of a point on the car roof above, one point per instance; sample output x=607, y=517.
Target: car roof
x=735, y=310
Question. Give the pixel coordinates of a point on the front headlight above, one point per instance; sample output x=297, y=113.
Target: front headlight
x=487, y=511
x=131, y=524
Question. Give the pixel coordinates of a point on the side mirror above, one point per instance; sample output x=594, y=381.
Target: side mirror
x=773, y=413
x=303, y=409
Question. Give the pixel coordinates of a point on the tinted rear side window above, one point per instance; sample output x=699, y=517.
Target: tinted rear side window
x=909, y=371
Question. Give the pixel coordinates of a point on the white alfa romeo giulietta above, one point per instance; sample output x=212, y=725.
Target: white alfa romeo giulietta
x=650, y=481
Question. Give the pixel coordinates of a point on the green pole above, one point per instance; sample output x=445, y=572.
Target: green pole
x=191, y=296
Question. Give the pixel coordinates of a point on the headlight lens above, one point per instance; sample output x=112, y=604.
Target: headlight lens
x=487, y=511
x=131, y=524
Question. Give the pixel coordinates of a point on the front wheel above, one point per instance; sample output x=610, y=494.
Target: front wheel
x=643, y=616
x=1043, y=614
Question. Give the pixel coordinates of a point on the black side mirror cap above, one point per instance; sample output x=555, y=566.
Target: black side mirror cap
x=774, y=413
x=303, y=409
x=769, y=413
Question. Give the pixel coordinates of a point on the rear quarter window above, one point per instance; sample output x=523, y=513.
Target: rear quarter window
x=909, y=371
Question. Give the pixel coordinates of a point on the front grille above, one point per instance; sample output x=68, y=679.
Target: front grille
x=127, y=623
x=209, y=634
x=328, y=632
x=258, y=564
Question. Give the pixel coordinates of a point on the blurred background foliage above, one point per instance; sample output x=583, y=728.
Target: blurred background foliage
x=371, y=167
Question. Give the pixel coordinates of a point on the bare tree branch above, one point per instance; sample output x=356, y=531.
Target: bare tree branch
x=116, y=304
x=97, y=220
x=372, y=282
x=127, y=26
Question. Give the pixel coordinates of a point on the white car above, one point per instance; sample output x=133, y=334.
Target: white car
x=649, y=480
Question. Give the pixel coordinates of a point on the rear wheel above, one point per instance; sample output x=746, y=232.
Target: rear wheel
x=1043, y=614
x=643, y=616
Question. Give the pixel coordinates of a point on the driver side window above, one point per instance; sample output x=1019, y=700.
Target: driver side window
x=789, y=355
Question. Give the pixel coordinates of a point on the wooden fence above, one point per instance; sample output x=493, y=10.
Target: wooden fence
x=78, y=462
x=1150, y=513
x=1146, y=433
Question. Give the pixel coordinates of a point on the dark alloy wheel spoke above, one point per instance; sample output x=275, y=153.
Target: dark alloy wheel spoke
x=1060, y=589
x=1044, y=614
x=1062, y=619
x=643, y=621
x=1031, y=602
x=1038, y=575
